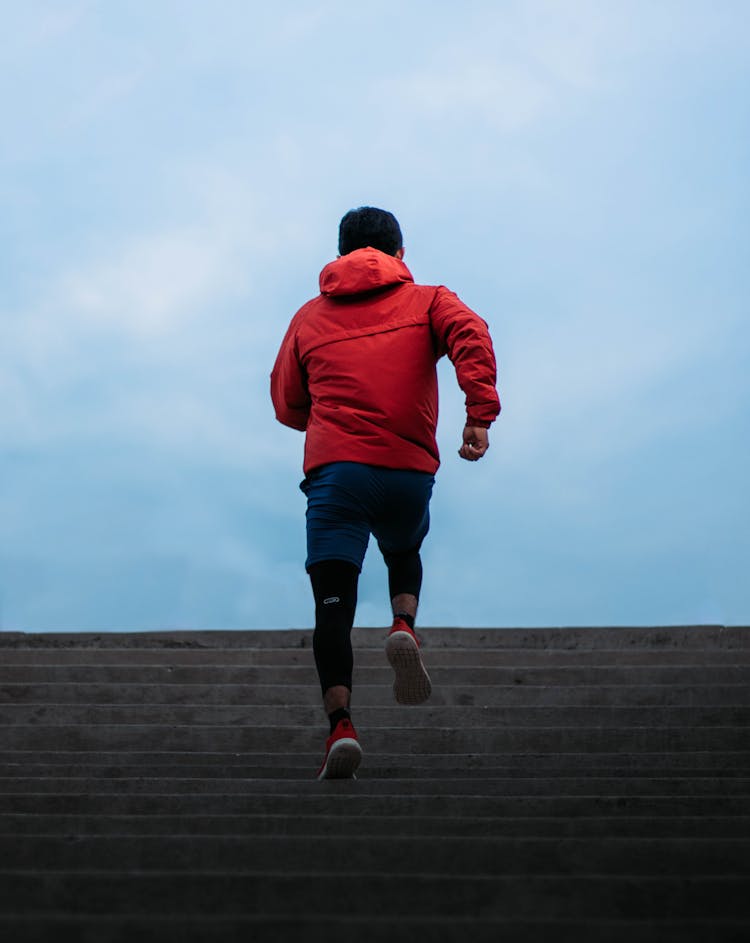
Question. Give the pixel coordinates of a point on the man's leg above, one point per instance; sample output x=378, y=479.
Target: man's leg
x=404, y=583
x=337, y=536
x=334, y=584
x=412, y=684
x=400, y=531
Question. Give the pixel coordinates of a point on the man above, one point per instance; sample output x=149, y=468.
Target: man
x=357, y=372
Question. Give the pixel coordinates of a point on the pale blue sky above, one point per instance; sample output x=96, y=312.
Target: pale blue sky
x=171, y=179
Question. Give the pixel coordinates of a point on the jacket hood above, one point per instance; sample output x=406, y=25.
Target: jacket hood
x=362, y=270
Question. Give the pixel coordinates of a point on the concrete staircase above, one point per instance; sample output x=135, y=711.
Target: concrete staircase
x=561, y=784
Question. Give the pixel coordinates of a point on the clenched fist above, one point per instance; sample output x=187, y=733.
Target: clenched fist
x=476, y=443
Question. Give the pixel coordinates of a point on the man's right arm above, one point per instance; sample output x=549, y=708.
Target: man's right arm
x=289, y=393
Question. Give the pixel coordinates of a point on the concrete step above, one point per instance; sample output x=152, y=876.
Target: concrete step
x=198, y=928
x=394, y=786
x=378, y=695
x=413, y=854
x=693, y=762
x=74, y=826
x=291, y=740
x=391, y=717
x=588, y=638
x=374, y=657
x=380, y=771
x=478, y=675
x=347, y=799
x=396, y=767
x=401, y=892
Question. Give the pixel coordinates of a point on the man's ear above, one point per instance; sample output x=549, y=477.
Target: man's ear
x=400, y=253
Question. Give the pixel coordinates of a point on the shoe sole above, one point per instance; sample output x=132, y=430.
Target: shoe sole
x=412, y=684
x=342, y=760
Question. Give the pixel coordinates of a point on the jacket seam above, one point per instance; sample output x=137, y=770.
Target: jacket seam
x=355, y=335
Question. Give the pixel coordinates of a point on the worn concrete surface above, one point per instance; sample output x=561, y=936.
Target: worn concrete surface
x=561, y=784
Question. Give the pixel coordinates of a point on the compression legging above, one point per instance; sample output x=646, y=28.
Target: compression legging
x=404, y=573
x=334, y=585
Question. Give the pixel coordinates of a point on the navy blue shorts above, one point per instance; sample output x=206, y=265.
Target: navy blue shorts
x=348, y=501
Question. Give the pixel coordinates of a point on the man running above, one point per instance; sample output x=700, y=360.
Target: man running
x=357, y=372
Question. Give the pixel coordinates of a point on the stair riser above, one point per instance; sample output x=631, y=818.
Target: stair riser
x=285, y=740
x=511, y=897
x=314, y=929
x=689, y=762
x=378, y=695
x=572, y=675
x=395, y=717
x=404, y=768
x=331, y=799
x=590, y=786
x=415, y=855
x=659, y=638
x=381, y=826
x=283, y=658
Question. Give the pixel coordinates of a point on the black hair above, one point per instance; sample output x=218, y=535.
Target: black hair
x=369, y=226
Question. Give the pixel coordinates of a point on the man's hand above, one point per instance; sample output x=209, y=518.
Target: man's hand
x=476, y=443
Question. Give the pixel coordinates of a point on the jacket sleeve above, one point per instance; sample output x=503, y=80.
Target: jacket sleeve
x=289, y=392
x=465, y=338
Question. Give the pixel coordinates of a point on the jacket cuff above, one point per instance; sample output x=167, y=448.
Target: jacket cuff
x=482, y=423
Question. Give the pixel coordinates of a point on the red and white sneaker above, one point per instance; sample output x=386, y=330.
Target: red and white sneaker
x=343, y=753
x=412, y=684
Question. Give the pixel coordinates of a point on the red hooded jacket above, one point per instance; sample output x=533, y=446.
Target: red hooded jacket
x=356, y=369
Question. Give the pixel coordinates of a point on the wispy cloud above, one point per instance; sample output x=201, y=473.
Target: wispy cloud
x=526, y=64
x=108, y=92
x=162, y=339
x=57, y=20
x=503, y=96
x=153, y=284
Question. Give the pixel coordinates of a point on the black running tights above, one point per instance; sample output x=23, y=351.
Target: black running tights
x=334, y=586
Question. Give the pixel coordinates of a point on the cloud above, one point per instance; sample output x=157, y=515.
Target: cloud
x=160, y=340
x=55, y=21
x=503, y=96
x=153, y=285
x=106, y=94
x=524, y=63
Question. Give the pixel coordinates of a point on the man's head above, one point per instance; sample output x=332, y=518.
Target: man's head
x=369, y=226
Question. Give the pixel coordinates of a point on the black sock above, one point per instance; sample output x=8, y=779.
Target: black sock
x=409, y=620
x=340, y=714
